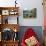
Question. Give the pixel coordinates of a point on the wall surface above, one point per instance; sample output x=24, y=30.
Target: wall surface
x=27, y=4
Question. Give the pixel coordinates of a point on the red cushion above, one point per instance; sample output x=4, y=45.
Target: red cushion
x=29, y=33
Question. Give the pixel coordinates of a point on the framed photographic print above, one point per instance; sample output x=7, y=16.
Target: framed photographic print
x=30, y=13
x=12, y=12
x=5, y=12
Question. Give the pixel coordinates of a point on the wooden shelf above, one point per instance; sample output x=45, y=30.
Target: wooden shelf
x=10, y=26
x=9, y=43
x=9, y=9
x=4, y=13
x=3, y=8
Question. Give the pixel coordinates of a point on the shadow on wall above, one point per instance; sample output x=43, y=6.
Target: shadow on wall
x=37, y=29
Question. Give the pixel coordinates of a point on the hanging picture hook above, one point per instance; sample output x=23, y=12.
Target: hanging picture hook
x=15, y=3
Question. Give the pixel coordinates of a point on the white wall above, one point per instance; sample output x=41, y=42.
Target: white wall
x=27, y=4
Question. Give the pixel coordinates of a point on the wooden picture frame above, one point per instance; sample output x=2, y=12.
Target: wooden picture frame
x=5, y=12
x=30, y=13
